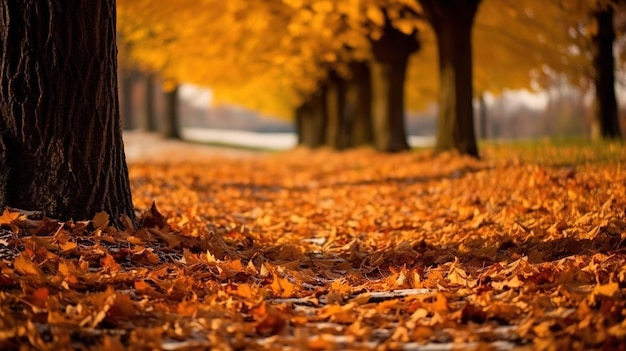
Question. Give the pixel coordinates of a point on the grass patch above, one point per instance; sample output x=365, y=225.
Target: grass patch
x=556, y=151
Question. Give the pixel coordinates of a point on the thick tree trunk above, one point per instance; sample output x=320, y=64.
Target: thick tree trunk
x=61, y=149
x=388, y=106
x=172, y=128
x=359, y=104
x=605, y=123
x=388, y=73
x=452, y=22
x=311, y=121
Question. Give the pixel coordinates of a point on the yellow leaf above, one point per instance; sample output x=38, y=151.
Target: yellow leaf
x=609, y=289
x=25, y=266
x=210, y=258
x=264, y=271
x=341, y=287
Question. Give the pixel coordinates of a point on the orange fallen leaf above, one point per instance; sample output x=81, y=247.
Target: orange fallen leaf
x=25, y=266
x=244, y=290
x=282, y=287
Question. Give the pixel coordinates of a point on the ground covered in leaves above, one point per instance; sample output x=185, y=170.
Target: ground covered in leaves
x=524, y=249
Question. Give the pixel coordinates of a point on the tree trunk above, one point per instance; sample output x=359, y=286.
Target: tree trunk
x=311, y=121
x=388, y=73
x=359, y=104
x=61, y=149
x=482, y=116
x=127, y=82
x=338, y=121
x=150, y=116
x=452, y=22
x=172, y=128
x=605, y=122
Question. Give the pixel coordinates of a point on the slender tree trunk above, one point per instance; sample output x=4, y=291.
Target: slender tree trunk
x=388, y=73
x=333, y=110
x=452, y=22
x=172, y=127
x=127, y=82
x=605, y=123
x=150, y=116
x=311, y=121
x=61, y=149
x=482, y=116
x=359, y=104
x=338, y=121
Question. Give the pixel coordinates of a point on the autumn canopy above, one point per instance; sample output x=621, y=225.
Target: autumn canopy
x=346, y=71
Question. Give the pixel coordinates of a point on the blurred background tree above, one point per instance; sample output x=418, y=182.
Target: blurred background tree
x=348, y=72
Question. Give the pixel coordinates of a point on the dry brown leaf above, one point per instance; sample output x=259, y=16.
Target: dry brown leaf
x=100, y=220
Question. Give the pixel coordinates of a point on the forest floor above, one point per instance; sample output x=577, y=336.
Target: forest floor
x=524, y=249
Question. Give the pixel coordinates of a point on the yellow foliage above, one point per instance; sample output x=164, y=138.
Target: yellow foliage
x=270, y=55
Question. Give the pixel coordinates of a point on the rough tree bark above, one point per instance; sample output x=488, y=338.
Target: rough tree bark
x=61, y=149
x=605, y=124
x=388, y=74
x=452, y=22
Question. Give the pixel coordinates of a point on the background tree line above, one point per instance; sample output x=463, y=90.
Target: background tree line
x=346, y=71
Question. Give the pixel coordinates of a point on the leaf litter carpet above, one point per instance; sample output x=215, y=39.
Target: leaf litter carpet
x=331, y=251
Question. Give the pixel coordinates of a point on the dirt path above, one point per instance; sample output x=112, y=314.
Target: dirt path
x=142, y=147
